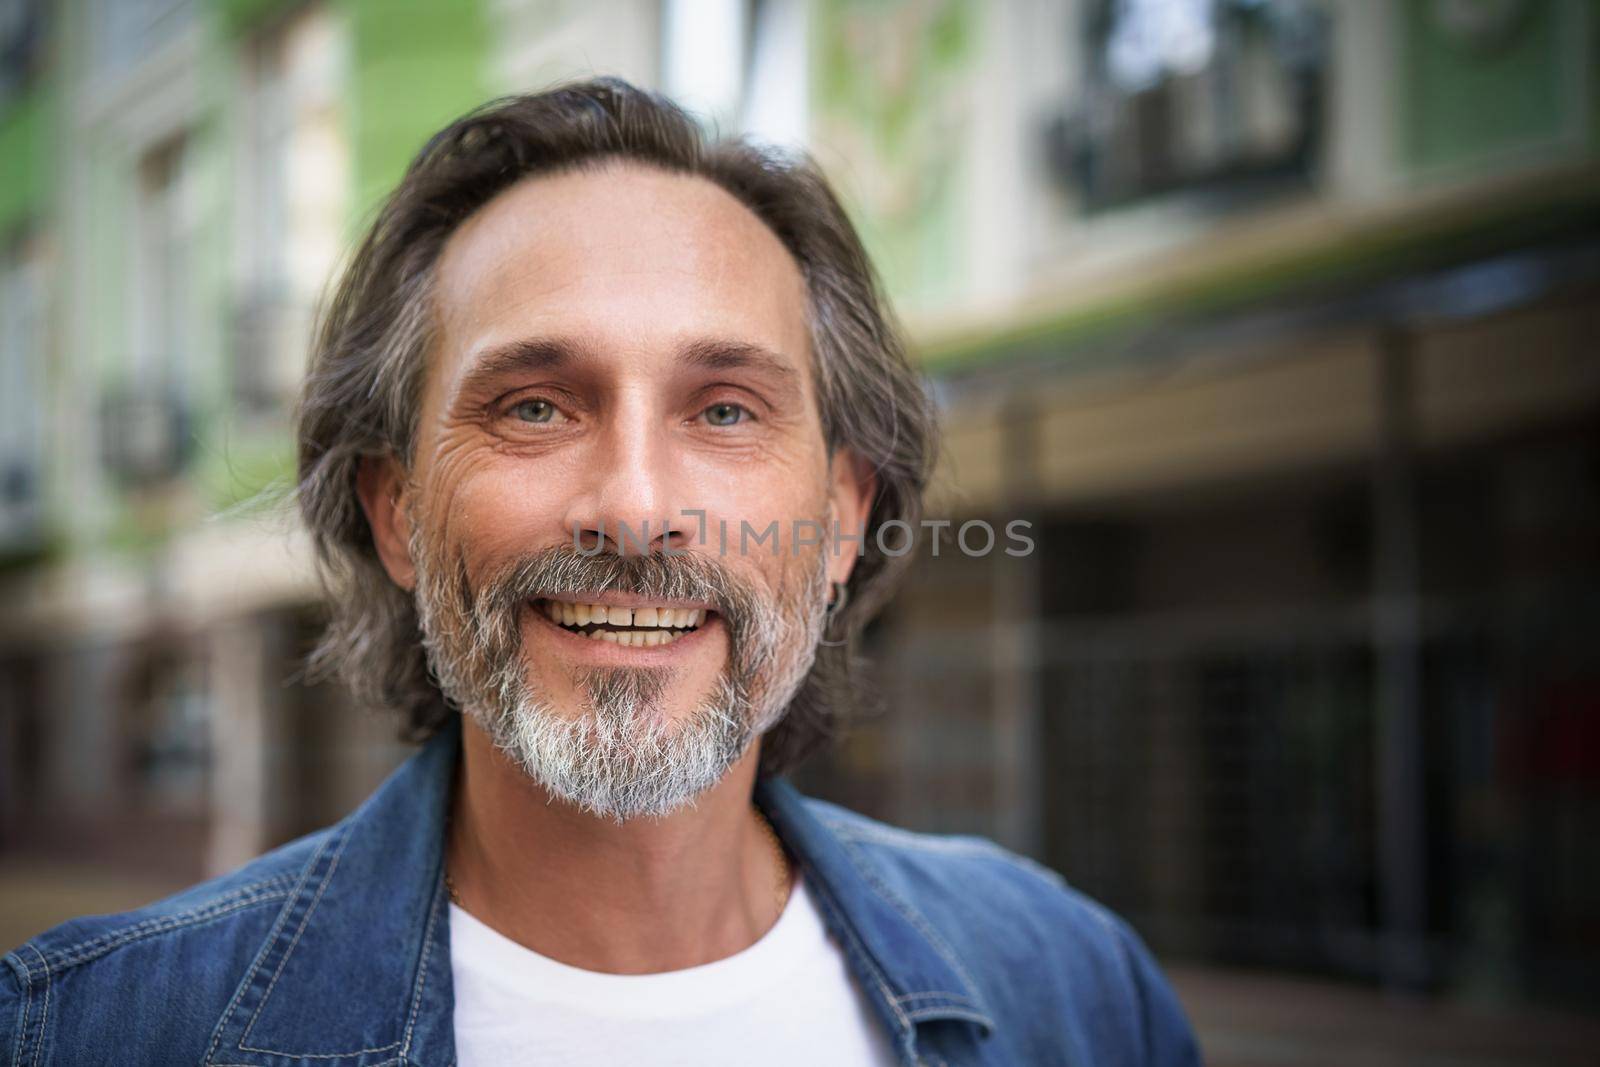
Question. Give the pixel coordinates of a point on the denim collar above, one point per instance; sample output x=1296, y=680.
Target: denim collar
x=362, y=946
x=907, y=971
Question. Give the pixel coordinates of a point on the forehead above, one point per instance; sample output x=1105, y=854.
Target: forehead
x=628, y=258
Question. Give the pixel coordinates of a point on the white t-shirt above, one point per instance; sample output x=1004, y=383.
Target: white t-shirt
x=787, y=999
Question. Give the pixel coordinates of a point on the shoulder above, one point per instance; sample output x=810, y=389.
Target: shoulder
x=968, y=878
x=1026, y=936
x=178, y=959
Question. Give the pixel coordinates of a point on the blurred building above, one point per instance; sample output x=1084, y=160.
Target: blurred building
x=1276, y=319
x=1279, y=322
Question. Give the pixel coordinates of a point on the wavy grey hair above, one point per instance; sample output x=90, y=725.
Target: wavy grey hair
x=370, y=355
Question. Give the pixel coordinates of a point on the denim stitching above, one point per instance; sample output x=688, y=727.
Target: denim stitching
x=964, y=846
x=189, y=919
x=855, y=950
x=913, y=917
x=951, y=1013
x=422, y=970
x=884, y=991
x=396, y=1061
x=1035, y=867
x=890, y=835
x=27, y=1007
x=84, y=951
x=82, y=947
x=305, y=921
x=937, y=995
x=272, y=937
x=1125, y=959
x=877, y=975
x=44, y=1014
x=22, y=1028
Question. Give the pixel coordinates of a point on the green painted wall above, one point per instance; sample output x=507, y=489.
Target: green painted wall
x=1469, y=100
x=239, y=16
x=416, y=64
x=26, y=156
x=891, y=123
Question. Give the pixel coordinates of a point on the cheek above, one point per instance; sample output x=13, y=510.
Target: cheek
x=783, y=484
x=495, y=510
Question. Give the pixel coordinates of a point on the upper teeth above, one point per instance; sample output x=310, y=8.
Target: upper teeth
x=569, y=614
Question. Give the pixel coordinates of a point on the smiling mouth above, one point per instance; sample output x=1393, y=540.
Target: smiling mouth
x=634, y=627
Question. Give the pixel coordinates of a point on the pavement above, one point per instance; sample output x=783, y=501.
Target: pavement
x=1264, y=1019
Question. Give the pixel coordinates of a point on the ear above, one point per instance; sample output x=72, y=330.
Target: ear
x=852, y=488
x=382, y=487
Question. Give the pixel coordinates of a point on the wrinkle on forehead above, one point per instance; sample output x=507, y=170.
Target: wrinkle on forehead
x=630, y=245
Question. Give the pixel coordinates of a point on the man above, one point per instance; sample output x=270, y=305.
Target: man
x=601, y=425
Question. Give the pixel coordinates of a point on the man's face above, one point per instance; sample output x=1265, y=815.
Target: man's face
x=620, y=346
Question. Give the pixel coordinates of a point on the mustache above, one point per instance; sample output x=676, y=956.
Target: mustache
x=481, y=618
x=563, y=571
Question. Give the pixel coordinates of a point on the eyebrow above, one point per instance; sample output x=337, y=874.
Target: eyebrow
x=517, y=357
x=542, y=354
x=714, y=354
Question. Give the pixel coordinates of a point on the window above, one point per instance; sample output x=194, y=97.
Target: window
x=293, y=188
x=22, y=393
x=1193, y=95
x=146, y=432
x=22, y=44
x=739, y=65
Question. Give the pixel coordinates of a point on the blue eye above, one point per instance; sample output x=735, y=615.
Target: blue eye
x=534, y=410
x=724, y=414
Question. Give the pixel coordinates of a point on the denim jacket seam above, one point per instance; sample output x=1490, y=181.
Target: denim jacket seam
x=964, y=846
x=889, y=835
x=1130, y=972
x=881, y=981
x=25, y=1020
x=975, y=847
x=393, y=1061
x=422, y=970
x=956, y=1012
x=44, y=1012
x=397, y=1058
x=1033, y=866
x=255, y=965
x=305, y=921
x=199, y=917
x=938, y=994
x=911, y=915
x=26, y=986
x=857, y=949
x=907, y=1026
x=85, y=951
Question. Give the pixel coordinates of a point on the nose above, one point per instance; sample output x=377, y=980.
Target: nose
x=631, y=499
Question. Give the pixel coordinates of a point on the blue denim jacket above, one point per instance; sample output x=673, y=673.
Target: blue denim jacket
x=334, y=951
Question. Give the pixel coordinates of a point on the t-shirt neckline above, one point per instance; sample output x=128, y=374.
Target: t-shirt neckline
x=495, y=959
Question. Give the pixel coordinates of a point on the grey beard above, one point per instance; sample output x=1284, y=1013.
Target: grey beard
x=620, y=758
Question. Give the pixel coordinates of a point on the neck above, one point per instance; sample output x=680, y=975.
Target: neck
x=646, y=896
